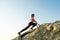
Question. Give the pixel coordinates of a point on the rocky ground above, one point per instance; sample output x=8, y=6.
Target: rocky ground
x=47, y=31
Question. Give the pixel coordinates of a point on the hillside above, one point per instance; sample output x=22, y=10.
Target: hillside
x=47, y=31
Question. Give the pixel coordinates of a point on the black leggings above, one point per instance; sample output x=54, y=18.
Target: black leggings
x=30, y=24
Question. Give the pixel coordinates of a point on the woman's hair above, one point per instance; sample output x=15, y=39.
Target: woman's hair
x=32, y=15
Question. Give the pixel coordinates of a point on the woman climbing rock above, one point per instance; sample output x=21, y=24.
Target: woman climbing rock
x=32, y=23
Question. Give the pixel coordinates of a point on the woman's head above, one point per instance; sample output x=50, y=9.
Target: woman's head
x=32, y=15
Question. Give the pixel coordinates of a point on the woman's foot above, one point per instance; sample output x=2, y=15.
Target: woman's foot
x=19, y=33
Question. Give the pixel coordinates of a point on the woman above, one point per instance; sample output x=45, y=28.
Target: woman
x=32, y=23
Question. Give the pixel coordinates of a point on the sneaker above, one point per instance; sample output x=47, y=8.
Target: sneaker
x=18, y=33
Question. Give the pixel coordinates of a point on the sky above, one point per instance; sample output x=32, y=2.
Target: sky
x=15, y=15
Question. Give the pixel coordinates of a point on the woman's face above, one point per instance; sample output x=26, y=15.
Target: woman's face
x=32, y=15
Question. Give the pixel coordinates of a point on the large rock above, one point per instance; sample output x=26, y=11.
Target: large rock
x=48, y=31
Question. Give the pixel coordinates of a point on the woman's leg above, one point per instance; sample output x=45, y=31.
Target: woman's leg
x=34, y=24
x=25, y=28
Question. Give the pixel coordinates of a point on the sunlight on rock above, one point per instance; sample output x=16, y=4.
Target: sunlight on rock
x=49, y=31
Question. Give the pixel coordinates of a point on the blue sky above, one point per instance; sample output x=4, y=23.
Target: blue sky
x=15, y=14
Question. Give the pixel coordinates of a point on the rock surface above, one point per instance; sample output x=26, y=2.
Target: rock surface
x=47, y=31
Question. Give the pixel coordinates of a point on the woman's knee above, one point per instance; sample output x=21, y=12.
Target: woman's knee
x=34, y=24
